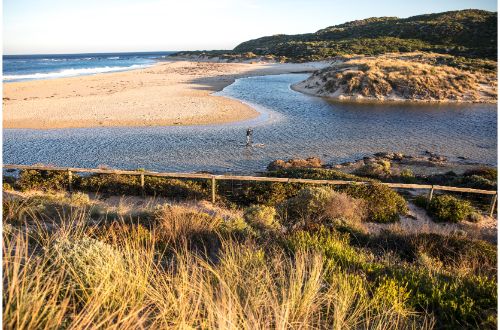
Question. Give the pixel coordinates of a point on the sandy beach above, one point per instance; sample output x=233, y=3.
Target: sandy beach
x=168, y=93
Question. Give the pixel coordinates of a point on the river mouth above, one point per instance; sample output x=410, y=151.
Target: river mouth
x=291, y=124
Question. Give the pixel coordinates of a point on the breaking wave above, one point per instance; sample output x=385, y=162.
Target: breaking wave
x=70, y=72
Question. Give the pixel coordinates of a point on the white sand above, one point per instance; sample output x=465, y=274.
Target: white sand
x=169, y=93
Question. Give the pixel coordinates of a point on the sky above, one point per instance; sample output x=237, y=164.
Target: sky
x=87, y=26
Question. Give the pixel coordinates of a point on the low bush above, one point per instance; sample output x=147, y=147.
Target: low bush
x=318, y=174
x=88, y=262
x=453, y=251
x=421, y=201
x=377, y=169
x=183, y=270
x=309, y=204
x=9, y=179
x=43, y=180
x=266, y=193
x=79, y=199
x=311, y=162
x=236, y=227
x=446, y=208
x=7, y=187
x=384, y=205
x=344, y=207
x=111, y=184
x=177, y=189
x=456, y=301
x=488, y=173
x=407, y=176
x=262, y=217
x=475, y=181
x=332, y=244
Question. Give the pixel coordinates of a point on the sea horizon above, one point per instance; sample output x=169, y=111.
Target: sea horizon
x=50, y=66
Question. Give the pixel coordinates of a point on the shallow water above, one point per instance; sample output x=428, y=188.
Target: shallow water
x=292, y=125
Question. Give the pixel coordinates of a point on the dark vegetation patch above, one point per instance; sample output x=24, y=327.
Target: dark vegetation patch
x=469, y=33
x=447, y=208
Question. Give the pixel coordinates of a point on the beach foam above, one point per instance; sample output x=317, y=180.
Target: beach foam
x=70, y=72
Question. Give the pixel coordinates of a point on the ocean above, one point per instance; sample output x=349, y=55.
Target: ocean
x=33, y=67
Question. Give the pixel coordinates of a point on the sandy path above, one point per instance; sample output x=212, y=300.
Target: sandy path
x=169, y=93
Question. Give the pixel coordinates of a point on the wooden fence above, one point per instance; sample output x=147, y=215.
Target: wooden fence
x=214, y=177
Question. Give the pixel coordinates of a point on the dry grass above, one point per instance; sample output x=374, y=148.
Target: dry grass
x=78, y=277
x=177, y=222
x=178, y=267
x=417, y=77
x=342, y=206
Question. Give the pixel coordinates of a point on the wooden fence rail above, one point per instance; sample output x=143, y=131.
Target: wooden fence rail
x=214, y=177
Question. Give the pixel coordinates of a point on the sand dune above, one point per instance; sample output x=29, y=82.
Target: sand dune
x=169, y=93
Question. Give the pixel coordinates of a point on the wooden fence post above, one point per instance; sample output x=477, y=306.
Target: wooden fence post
x=142, y=185
x=492, y=206
x=429, y=198
x=70, y=181
x=213, y=189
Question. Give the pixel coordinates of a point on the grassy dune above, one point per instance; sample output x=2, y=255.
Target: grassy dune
x=408, y=77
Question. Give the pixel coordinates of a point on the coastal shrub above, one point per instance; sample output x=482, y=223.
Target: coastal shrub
x=330, y=243
x=456, y=252
x=475, y=181
x=113, y=184
x=391, y=294
x=383, y=204
x=88, y=262
x=308, y=206
x=488, y=173
x=376, y=169
x=9, y=179
x=344, y=207
x=446, y=208
x=236, y=226
x=317, y=276
x=7, y=187
x=274, y=193
x=322, y=204
x=455, y=301
x=407, y=176
x=177, y=189
x=317, y=173
x=61, y=198
x=43, y=180
x=421, y=201
x=310, y=162
x=262, y=217
x=253, y=193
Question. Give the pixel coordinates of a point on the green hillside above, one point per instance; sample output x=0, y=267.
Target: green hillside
x=470, y=33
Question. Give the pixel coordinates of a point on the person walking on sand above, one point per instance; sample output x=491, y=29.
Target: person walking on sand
x=249, y=137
